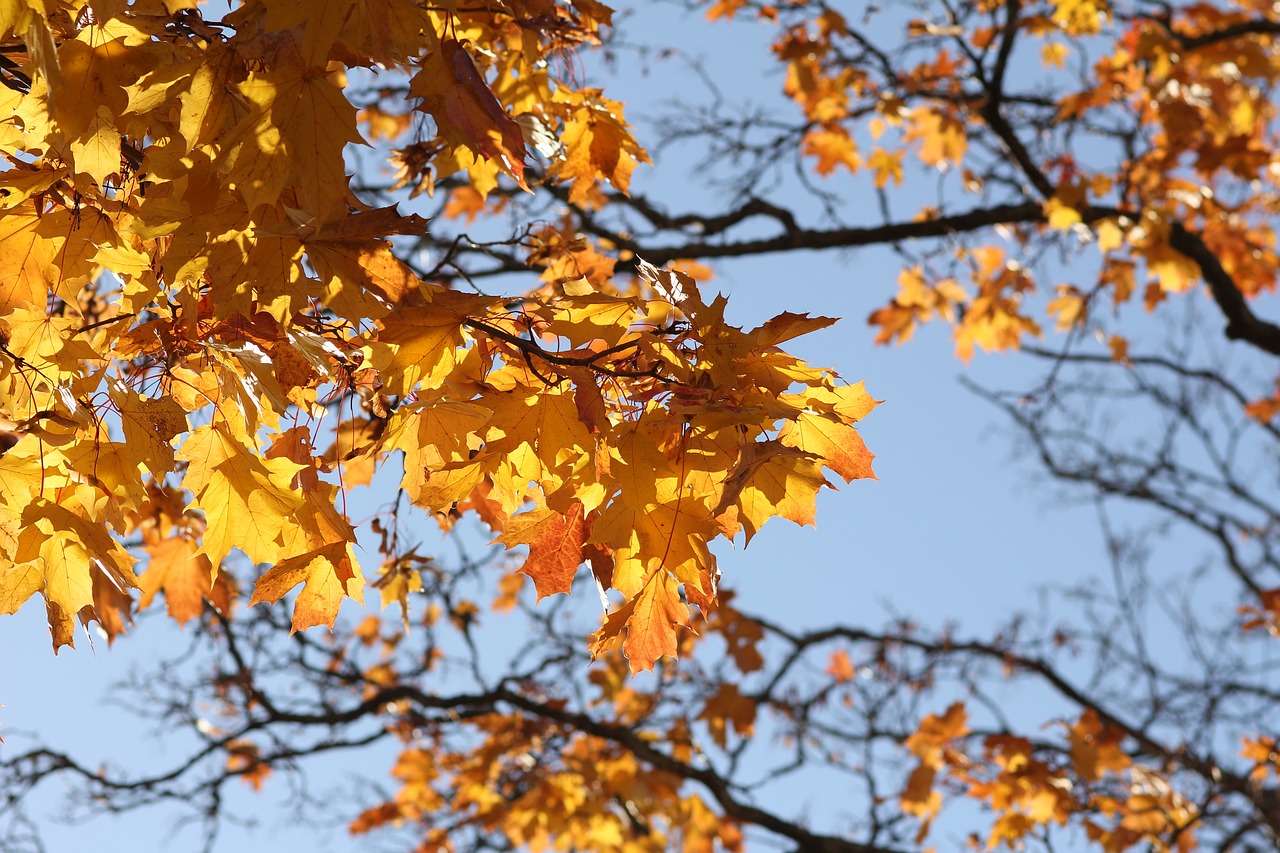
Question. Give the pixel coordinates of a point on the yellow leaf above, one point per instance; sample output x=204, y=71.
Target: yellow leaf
x=1081, y=17
x=66, y=545
x=18, y=582
x=247, y=500
x=887, y=166
x=417, y=344
x=97, y=151
x=395, y=584
x=836, y=445
x=1054, y=55
x=1110, y=235
x=1061, y=216
x=330, y=573
x=1069, y=309
x=295, y=135
x=772, y=479
x=660, y=538
x=150, y=425
x=942, y=136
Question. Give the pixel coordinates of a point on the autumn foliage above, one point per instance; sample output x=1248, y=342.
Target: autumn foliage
x=234, y=315
x=220, y=323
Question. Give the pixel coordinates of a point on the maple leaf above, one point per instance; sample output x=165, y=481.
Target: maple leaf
x=66, y=546
x=247, y=500
x=299, y=117
x=1261, y=750
x=540, y=433
x=650, y=619
x=182, y=246
x=417, y=343
x=729, y=707
x=597, y=144
x=112, y=605
x=1096, y=748
x=724, y=9
x=787, y=326
x=1069, y=308
x=442, y=488
x=662, y=538
x=243, y=760
x=329, y=574
x=919, y=798
x=942, y=137
x=149, y=426
x=18, y=582
x=1081, y=17
x=772, y=479
x=589, y=317
x=397, y=581
x=29, y=265
x=433, y=434
x=465, y=109
x=555, y=543
x=1060, y=214
x=832, y=146
x=936, y=732
x=840, y=666
x=185, y=577
x=836, y=444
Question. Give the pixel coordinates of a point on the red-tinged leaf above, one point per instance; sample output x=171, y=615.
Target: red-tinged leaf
x=838, y=445
x=588, y=400
x=465, y=109
x=376, y=224
x=600, y=559
x=555, y=546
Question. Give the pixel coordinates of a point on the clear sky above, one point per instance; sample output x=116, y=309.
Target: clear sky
x=954, y=530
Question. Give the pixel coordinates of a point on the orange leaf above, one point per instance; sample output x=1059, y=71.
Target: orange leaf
x=651, y=630
x=597, y=144
x=185, y=577
x=555, y=545
x=727, y=706
x=840, y=666
x=832, y=147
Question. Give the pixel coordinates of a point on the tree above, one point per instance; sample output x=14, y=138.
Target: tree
x=217, y=323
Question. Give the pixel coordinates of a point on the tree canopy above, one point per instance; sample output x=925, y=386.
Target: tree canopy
x=256, y=263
